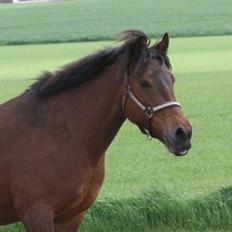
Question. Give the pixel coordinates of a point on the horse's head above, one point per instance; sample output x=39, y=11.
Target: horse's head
x=149, y=100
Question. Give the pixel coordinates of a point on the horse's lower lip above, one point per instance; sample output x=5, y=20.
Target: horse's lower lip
x=181, y=153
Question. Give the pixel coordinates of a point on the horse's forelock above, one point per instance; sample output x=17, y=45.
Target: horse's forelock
x=135, y=47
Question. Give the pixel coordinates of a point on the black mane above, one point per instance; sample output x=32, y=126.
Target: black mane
x=81, y=71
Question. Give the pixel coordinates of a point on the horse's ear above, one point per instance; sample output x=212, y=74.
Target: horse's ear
x=163, y=44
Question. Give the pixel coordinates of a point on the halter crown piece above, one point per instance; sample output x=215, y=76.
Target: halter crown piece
x=148, y=110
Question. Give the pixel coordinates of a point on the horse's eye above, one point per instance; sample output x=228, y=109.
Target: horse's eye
x=144, y=83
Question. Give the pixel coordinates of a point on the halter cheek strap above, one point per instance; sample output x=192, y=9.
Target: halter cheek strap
x=148, y=110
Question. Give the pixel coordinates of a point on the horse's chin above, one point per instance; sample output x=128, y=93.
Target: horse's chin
x=173, y=149
x=171, y=146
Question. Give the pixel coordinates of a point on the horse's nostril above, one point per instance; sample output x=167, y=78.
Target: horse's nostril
x=181, y=133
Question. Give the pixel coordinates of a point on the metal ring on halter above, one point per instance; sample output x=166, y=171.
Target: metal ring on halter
x=149, y=112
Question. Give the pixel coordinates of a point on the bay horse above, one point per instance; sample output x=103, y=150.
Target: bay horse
x=53, y=137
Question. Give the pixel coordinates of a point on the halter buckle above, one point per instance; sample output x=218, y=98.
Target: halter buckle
x=149, y=112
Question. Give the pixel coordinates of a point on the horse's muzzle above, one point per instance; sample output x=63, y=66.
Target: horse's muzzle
x=178, y=142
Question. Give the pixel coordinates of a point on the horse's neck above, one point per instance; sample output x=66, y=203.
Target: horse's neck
x=92, y=112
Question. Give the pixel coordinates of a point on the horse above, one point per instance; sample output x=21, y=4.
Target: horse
x=53, y=137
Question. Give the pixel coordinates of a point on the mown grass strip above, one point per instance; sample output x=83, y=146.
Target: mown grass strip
x=90, y=20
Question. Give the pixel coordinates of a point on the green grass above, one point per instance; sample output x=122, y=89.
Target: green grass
x=158, y=211
x=84, y=20
x=147, y=189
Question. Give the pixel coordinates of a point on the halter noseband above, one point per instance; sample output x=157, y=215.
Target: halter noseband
x=148, y=110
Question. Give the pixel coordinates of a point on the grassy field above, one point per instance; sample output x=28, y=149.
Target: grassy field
x=83, y=20
x=147, y=189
